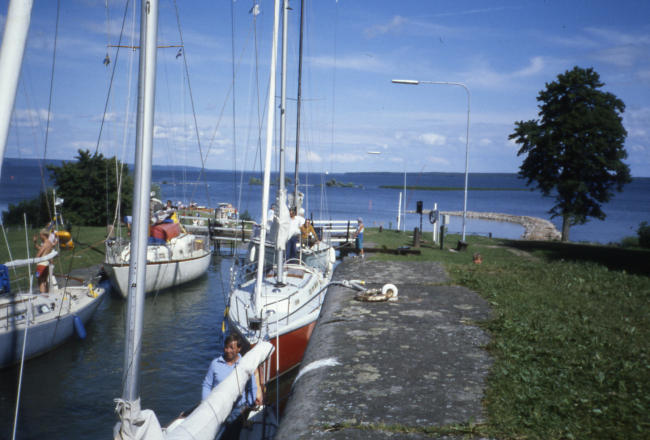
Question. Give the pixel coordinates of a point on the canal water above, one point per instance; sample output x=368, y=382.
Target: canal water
x=68, y=393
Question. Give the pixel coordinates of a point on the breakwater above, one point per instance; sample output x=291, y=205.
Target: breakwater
x=535, y=227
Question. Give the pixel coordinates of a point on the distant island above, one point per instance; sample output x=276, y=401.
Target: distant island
x=336, y=183
x=449, y=188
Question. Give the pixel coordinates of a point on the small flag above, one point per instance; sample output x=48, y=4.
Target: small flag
x=179, y=53
x=107, y=60
x=255, y=10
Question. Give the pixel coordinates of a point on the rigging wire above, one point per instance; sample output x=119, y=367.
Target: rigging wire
x=51, y=93
x=189, y=88
x=110, y=87
x=119, y=165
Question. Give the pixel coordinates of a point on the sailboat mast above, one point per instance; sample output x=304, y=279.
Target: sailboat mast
x=11, y=61
x=282, y=191
x=141, y=191
x=299, y=100
x=270, y=117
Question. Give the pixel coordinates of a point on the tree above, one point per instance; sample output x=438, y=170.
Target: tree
x=35, y=209
x=576, y=149
x=89, y=187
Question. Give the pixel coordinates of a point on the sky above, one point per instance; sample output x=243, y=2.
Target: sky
x=211, y=95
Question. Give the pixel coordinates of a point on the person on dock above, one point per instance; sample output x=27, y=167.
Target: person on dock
x=219, y=369
x=48, y=242
x=358, y=237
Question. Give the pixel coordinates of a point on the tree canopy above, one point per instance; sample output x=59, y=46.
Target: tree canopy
x=90, y=187
x=576, y=147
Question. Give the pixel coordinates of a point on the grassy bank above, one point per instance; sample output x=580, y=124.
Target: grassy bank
x=569, y=334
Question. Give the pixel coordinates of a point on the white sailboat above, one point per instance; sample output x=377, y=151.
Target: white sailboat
x=31, y=322
x=174, y=254
x=281, y=303
x=183, y=258
x=205, y=420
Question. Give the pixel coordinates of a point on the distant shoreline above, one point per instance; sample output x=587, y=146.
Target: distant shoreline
x=449, y=188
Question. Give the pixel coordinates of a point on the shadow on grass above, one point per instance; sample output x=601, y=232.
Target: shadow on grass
x=635, y=261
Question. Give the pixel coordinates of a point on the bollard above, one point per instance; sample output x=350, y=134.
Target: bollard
x=416, y=238
x=442, y=235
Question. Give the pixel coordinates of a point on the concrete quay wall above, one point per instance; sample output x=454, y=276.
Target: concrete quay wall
x=391, y=369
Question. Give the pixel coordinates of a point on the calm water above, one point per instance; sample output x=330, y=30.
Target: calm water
x=68, y=393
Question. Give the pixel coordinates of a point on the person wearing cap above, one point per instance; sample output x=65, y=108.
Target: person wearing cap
x=358, y=238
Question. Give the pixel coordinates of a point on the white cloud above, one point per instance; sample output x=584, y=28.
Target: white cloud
x=484, y=142
x=394, y=25
x=432, y=139
x=311, y=156
x=535, y=66
x=347, y=157
x=637, y=148
x=361, y=62
x=438, y=161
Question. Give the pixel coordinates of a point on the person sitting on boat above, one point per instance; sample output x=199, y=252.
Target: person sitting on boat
x=219, y=369
x=48, y=241
x=308, y=234
x=358, y=237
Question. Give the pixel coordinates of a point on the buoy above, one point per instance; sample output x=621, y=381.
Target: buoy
x=390, y=290
x=79, y=327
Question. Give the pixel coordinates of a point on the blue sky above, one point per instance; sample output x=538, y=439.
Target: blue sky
x=504, y=51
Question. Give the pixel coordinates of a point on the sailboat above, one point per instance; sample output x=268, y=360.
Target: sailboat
x=174, y=255
x=32, y=322
x=204, y=421
x=282, y=301
x=178, y=257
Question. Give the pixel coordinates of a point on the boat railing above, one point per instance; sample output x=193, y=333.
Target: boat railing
x=315, y=300
x=340, y=231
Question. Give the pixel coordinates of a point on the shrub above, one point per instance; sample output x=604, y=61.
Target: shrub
x=644, y=234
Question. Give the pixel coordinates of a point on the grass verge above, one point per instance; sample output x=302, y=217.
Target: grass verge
x=569, y=334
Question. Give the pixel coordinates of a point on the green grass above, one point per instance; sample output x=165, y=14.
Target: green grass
x=569, y=334
x=88, y=251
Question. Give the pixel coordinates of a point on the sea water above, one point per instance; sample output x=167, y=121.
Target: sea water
x=364, y=195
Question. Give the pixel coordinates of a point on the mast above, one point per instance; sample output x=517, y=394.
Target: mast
x=141, y=191
x=282, y=191
x=295, y=176
x=11, y=61
x=270, y=117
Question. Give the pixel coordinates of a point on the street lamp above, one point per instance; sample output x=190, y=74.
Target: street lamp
x=415, y=83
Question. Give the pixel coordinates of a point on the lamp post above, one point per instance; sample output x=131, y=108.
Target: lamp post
x=415, y=83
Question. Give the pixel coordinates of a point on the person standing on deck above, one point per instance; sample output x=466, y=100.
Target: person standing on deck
x=48, y=242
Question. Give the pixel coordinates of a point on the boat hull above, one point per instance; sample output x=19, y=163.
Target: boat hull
x=44, y=335
x=292, y=348
x=160, y=275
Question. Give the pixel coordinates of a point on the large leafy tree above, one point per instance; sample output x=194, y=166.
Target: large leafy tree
x=89, y=187
x=576, y=147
